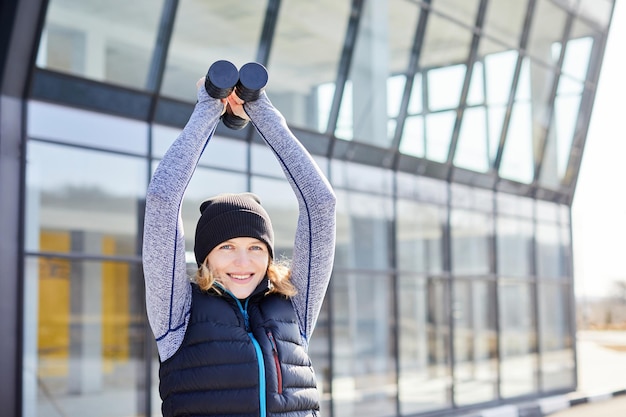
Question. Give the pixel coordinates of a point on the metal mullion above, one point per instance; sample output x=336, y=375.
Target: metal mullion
x=267, y=34
x=480, y=19
x=343, y=70
x=516, y=73
x=587, y=102
x=416, y=51
x=541, y=153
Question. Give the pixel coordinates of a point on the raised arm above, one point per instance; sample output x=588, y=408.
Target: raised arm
x=314, y=245
x=168, y=291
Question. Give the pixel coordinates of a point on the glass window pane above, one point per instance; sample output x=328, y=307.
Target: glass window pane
x=94, y=130
x=557, y=344
x=517, y=158
x=423, y=344
x=363, y=222
x=412, y=142
x=445, y=42
x=546, y=31
x=109, y=41
x=90, y=333
x=513, y=240
x=419, y=233
x=364, y=367
x=518, y=363
x=196, y=42
x=361, y=177
x=381, y=52
x=300, y=87
x=461, y=10
x=475, y=342
x=68, y=194
x=551, y=256
x=597, y=10
x=504, y=20
x=444, y=87
x=439, y=128
x=470, y=242
x=472, y=148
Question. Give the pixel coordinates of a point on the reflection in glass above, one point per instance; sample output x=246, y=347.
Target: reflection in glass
x=90, y=333
x=518, y=339
x=112, y=44
x=423, y=344
x=504, y=20
x=513, y=240
x=381, y=52
x=305, y=54
x=546, y=30
x=470, y=242
x=475, y=342
x=364, y=368
x=419, y=231
x=206, y=31
x=552, y=255
x=68, y=194
x=363, y=222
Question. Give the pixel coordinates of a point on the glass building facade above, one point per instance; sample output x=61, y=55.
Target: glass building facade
x=451, y=130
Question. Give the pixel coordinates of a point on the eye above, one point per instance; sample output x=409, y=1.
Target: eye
x=226, y=246
x=257, y=248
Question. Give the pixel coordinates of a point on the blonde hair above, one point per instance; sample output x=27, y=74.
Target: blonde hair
x=278, y=273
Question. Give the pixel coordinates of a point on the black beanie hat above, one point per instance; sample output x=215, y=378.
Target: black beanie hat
x=227, y=216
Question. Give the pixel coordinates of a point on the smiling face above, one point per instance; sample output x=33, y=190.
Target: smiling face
x=239, y=264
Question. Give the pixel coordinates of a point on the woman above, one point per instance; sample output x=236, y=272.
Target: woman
x=233, y=341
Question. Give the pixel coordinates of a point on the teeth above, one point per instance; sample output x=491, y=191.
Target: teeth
x=240, y=276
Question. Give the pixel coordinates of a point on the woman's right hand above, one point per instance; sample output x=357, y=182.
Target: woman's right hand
x=200, y=84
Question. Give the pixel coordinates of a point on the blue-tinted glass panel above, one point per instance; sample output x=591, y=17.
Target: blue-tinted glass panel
x=305, y=53
x=475, y=341
x=423, y=344
x=208, y=31
x=361, y=177
x=463, y=11
x=109, y=41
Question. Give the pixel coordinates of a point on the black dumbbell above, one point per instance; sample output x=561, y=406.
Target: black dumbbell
x=252, y=80
x=221, y=79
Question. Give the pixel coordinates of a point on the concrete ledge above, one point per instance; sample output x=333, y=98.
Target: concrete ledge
x=546, y=406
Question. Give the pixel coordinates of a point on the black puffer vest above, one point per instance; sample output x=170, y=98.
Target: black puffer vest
x=242, y=358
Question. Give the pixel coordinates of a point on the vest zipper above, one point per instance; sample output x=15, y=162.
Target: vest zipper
x=259, y=355
x=279, y=374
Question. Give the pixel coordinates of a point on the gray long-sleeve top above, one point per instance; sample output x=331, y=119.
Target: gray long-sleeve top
x=168, y=288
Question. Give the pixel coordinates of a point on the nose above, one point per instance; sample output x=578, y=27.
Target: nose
x=242, y=258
